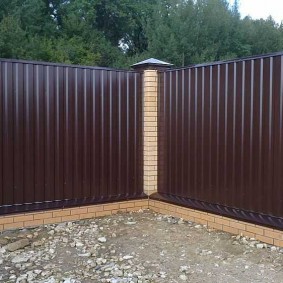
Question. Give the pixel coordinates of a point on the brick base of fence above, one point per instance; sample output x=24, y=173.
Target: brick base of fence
x=69, y=214
x=261, y=233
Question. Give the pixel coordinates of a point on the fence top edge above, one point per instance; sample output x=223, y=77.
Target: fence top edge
x=237, y=60
x=31, y=62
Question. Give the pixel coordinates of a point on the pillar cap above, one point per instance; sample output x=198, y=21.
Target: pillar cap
x=152, y=63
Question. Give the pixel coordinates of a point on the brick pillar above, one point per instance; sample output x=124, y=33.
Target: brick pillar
x=150, y=142
x=150, y=123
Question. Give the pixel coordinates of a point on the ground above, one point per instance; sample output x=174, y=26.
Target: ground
x=135, y=247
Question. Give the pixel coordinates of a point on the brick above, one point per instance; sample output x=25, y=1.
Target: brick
x=150, y=119
x=141, y=203
x=150, y=99
x=181, y=210
x=6, y=220
x=276, y=243
x=273, y=234
x=150, y=79
x=150, y=158
x=126, y=204
x=111, y=206
x=172, y=208
x=95, y=208
x=207, y=217
x=195, y=214
x=151, y=124
x=150, y=113
x=150, y=175
x=13, y=225
x=44, y=215
x=61, y=213
x=103, y=213
x=222, y=221
x=150, y=104
x=150, y=73
x=33, y=223
x=150, y=139
x=254, y=229
x=87, y=215
x=150, y=109
x=22, y=218
x=231, y=230
x=148, y=149
x=52, y=220
x=264, y=239
x=162, y=206
x=150, y=182
x=150, y=134
x=237, y=225
x=151, y=82
x=214, y=225
x=149, y=178
x=77, y=211
x=1, y=227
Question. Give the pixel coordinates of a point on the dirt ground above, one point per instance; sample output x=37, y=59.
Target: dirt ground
x=136, y=247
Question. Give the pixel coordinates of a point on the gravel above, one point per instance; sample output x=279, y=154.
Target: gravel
x=135, y=247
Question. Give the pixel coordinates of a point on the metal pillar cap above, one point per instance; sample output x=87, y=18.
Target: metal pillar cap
x=151, y=63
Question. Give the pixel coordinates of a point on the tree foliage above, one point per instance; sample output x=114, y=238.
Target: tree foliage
x=120, y=32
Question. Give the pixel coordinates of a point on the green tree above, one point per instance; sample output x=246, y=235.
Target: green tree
x=12, y=38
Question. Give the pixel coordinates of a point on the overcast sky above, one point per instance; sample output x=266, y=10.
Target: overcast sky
x=262, y=9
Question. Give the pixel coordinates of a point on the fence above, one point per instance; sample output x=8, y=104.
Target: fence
x=69, y=135
x=220, y=138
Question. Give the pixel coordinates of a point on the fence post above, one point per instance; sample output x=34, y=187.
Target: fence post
x=150, y=69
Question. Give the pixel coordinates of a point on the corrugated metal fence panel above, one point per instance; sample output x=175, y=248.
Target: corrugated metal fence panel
x=68, y=135
x=220, y=135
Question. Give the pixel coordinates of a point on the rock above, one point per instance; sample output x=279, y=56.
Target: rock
x=85, y=255
x=273, y=249
x=260, y=246
x=131, y=223
x=102, y=239
x=127, y=257
x=38, y=243
x=183, y=268
x=17, y=245
x=20, y=259
x=3, y=242
x=65, y=240
x=205, y=252
x=183, y=277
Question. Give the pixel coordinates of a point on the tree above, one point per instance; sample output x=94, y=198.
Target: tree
x=121, y=32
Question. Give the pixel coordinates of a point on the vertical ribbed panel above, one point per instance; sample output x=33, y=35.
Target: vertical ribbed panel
x=68, y=135
x=220, y=134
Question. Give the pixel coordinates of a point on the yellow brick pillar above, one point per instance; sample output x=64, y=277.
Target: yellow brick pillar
x=150, y=70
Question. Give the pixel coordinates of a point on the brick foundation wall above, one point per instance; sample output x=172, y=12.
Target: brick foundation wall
x=150, y=131
x=38, y=218
x=261, y=233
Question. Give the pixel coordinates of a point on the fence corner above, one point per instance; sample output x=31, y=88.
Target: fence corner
x=150, y=69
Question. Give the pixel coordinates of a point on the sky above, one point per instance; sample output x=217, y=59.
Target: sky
x=262, y=9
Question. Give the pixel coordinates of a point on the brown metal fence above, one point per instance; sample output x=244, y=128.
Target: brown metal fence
x=221, y=138
x=69, y=135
